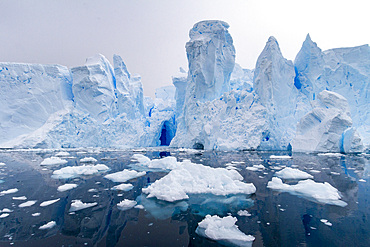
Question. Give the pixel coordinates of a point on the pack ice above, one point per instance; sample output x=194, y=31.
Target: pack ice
x=320, y=99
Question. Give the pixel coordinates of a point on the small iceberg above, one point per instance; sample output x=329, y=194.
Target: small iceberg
x=48, y=225
x=88, y=160
x=126, y=204
x=123, y=176
x=123, y=187
x=9, y=191
x=75, y=171
x=27, y=204
x=292, y=173
x=66, y=187
x=78, y=205
x=47, y=203
x=53, y=161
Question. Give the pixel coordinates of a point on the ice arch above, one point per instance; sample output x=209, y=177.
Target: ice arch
x=167, y=133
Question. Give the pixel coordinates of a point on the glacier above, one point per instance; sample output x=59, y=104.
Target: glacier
x=317, y=103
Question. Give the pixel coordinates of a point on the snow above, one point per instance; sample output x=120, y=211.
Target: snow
x=20, y=198
x=47, y=203
x=190, y=178
x=318, y=192
x=126, y=204
x=48, y=225
x=292, y=173
x=53, y=161
x=78, y=205
x=223, y=230
x=66, y=187
x=123, y=176
x=9, y=191
x=88, y=160
x=75, y=171
x=123, y=187
x=27, y=204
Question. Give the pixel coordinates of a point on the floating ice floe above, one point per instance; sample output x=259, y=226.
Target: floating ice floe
x=223, y=230
x=75, y=171
x=92, y=190
x=326, y=222
x=139, y=207
x=2, y=164
x=78, y=205
x=126, y=204
x=4, y=215
x=191, y=178
x=166, y=163
x=47, y=203
x=19, y=198
x=123, y=187
x=88, y=160
x=362, y=180
x=331, y=154
x=62, y=154
x=255, y=167
x=317, y=192
x=6, y=210
x=53, y=161
x=27, y=204
x=280, y=157
x=66, y=187
x=9, y=191
x=292, y=173
x=36, y=214
x=123, y=176
x=243, y=213
x=48, y=225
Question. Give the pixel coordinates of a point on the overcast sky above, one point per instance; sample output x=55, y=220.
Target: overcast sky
x=150, y=35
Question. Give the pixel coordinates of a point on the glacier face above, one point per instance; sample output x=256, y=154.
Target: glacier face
x=317, y=103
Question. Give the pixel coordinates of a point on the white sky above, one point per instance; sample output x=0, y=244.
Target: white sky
x=150, y=35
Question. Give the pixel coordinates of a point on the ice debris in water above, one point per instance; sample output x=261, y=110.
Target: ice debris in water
x=47, y=203
x=53, y=161
x=166, y=163
x=4, y=215
x=243, y=213
x=19, y=198
x=74, y=171
x=27, y=204
x=280, y=157
x=2, y=164
x=255, y=167
x=326, y=222
x=88, y=160
x=223, y=230
x=291, y=173
x=9, y=191
x=36, y=214
x=6, y=210
x=191, y=178
x=124, y=187
x=66, y=187
x=62, y=154
x=48, y=225
x=330, y=154
x=78, y=205
x=317, y=192
x=123, y=176
x=126, y=204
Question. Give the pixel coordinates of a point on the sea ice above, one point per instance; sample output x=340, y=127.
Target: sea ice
x=20, y=198
x=166, y=163
x=88, y=160
x=2, y=164
x=27, y=204
x=255, y=167
x=223, y=230
x=75, y=171
x=243, y=213
x=123, y=176
x=280, y=157
x=4, y=215
x=291, y=173
x=317, y=192
x=124, y=187
x=48, y=225
x=36, y=214
x=78, y=205
x=191, y=178
x=66, y=187
x=126, y=204
x=47, y=203
x=62, y=154
x=326, y=222
x=6, y=210
x=9, y=191
x=53, y=161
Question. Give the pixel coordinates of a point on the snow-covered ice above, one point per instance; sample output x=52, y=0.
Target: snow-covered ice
x=78, y=205
x=123, y=176
x=126, y=204
x=53, y=161
x=19, y=198
x=48, y=225
x=36, y=214
x=62, y=154
x=27, y=204
x=66, y=187
x=223, y=230
x=280, y=157
x=123, y=187
x=326, y=222
x=4, y=215
x=292, y=173
x=243, y=213
x=191, y=178
x=6, y=210
x=75, y=171
x=9, y=191
x=88, y=160
x=166, y=163
x=318, y=192
x=47, y=203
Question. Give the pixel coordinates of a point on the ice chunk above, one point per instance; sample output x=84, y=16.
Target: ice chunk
x=47, y=203
x=4, y=215
x=166, y=163
x=66, y=187
x=123, y=176
x=9, y=191
x=124, y=187
x=316, y=192
x=243, y=213
x=74, y=171
x=36, y=214
x=48, y=225
x=126, y=204
x=53, y=161
x=2, y=164
x=292, y=173
x=326, y=222
x=190, y=178
x=88, y=160
x=223, y=230
x=280, y=157
x=255, y=167
x=62, y=154
x=27, y=204
x=78, y=205
x=6, y=210
x=20, y=198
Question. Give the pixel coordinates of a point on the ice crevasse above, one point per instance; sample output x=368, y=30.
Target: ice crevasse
x=318, y=103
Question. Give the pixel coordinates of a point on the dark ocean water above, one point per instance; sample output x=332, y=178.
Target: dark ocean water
x=277, y=218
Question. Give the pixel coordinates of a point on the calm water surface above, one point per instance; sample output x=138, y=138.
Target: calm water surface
x=277, y=219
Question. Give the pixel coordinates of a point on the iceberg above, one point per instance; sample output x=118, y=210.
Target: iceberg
x=75, y=171
x=123, y=176
x=53, y=161
x=66, y=187
x=292, y=173
x=78, y=205
x=126, y=204
x=48, y=225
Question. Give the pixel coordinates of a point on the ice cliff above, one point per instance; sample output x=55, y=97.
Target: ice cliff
x=317, y=103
